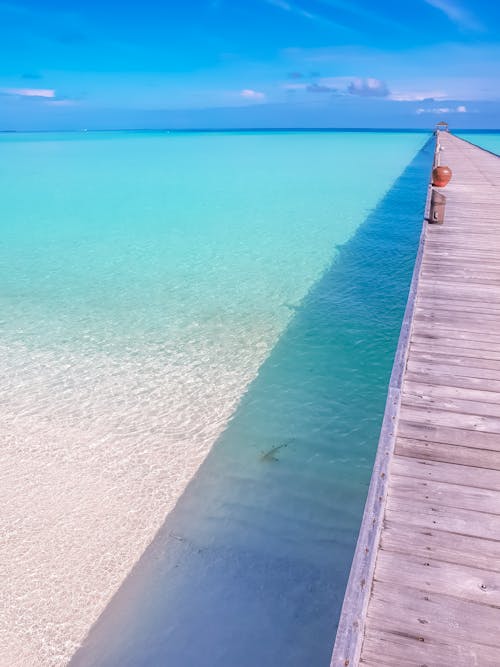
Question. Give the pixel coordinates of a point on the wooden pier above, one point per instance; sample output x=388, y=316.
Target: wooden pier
x=424, y=588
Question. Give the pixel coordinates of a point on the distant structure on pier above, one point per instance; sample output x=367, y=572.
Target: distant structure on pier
x=442, y=125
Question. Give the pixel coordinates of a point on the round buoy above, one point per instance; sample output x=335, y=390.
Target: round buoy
x=441, y=176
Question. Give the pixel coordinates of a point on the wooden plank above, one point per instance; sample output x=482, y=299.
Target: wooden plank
x=441, y=545
x=453, y=339
x=450, y=359
x=440, y=392
x=469, y=422
x=437, y=299
x=481, y=231
x=455, y=349
x=461, y=370
x=457, y=454
x=434, y=576
x=455, y=358
x=460, y=276
x=438, y=517
x=470, y=295
x=452, y=250
x=462, y=405
x=435, y=332
x=438, y=377
x=456, y=260
x=393, y=649
x=448, y=435
x=419, y=615
x=445, y=494
x=455, y=303
x=445, y=472
x=442, y=321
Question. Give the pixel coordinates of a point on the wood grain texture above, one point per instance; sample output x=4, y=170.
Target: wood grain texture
x=432, y=596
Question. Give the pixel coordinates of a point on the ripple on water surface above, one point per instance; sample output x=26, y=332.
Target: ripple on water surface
x=145, y=281
x=250, y=567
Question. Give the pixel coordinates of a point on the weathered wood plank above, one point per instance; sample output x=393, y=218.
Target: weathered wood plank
x=436, y=451
x=438, y=377
x=445, y=472
x=441, y=545
x=434, y=576
x=442, y=332
x=393, y=649
x=459, y=276
x=470, y=422
x=469, y=299
x=440, y=392
x=418, y=616
x=459, y=369
x=445, y=494
x=456, y=304
x=447, y=435
x=454, y=350
x=461, y=405
x=426, y=322
x=437, y=517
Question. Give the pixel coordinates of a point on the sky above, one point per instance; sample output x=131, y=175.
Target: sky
x=249, y=63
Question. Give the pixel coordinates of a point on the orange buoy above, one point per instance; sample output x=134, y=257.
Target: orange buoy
x=441, y=176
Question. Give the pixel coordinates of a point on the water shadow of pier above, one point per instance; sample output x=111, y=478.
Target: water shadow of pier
x=251, y=566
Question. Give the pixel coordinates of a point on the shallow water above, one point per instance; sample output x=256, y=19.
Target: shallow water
x=145, y=279
x=250, y=568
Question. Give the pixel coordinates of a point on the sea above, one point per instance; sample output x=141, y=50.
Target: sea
x=196, y=335
x=487, y=139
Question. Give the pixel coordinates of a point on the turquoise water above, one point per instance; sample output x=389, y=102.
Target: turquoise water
x=489, y=140
x=150, y=281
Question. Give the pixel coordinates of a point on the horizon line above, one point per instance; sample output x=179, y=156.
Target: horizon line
x=241, y=129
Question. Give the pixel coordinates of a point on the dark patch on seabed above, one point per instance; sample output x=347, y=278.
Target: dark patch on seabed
x=250, y=568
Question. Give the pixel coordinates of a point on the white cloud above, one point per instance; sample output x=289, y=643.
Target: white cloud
x=368, y=88
x=62, y=103
x=293, y=8
x=30, y=92
x=250, y=94
x=335, y=81
x=371, y=16
x=441, y=110
x=417, y=96
x=435, y=110
x=343, y=85
x=456, y=14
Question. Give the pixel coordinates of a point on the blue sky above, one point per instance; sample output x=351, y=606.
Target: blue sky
x=249, y=63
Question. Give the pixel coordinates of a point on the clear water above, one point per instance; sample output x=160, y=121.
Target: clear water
x=146, y=278
x=487, y=139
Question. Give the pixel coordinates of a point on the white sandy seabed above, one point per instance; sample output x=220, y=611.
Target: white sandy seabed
x=96, y=450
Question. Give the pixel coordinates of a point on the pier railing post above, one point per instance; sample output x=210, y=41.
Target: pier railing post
x=438, y=203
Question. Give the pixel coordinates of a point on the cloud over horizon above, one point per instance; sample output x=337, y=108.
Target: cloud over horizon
x=461, y=108
x=368, y=87
x=250, y=94
x=320, y=88
x=30, y=92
